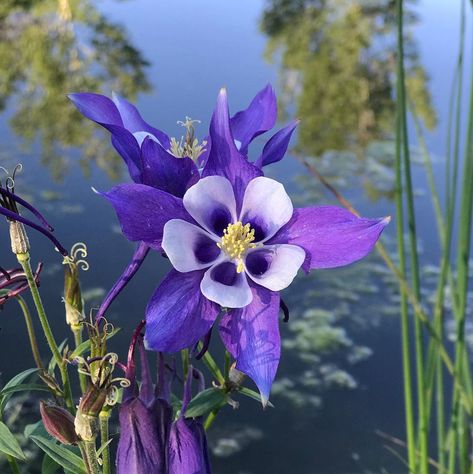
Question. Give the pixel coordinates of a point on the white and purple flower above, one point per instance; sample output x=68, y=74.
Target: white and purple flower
x=234, y=241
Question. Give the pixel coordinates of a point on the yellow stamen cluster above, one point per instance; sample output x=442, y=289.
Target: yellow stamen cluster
x=236, y=240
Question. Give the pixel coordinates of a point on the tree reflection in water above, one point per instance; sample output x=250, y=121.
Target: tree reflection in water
x=337, y=72
x=49, y=48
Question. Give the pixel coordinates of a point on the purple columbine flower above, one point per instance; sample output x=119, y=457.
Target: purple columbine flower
x=234, y=241
x=13, y=282
x=148, y=151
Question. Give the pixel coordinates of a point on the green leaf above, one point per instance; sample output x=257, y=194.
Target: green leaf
x=62, y=455
x=52, y=363
x=81, y=348
x=49, y=466
x=16, y=380
x=65, y=457
x=206, y=401
x=252, y=394
x=9, y=444
x=26, y=387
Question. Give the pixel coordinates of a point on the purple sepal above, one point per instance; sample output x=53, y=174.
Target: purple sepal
x=143, y=211
x=178, y=315
x=251, y=335
x=97, y=107
x=164, y=171
x=331, y=236
x=140, y=446
x=138, y=257
x=276, y=146
x=259, y=117
x=133, y=121
x=224, y=158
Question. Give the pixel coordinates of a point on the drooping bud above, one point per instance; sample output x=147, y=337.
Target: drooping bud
x=19, y=240
x=59, y=423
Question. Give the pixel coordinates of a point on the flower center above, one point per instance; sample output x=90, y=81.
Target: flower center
x=236, y=240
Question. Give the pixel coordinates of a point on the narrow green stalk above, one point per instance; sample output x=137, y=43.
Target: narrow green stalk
x=404, y=309
x=402, y=140
x=213, y=367
x=211, y=418
x=185, y=361
x=414, y=261
x=31, y=332
x=77, y=331
x=24, y=260
x=228, y=361
x=104, y=437
x=90, y=457
x=463, y=255
x=13, y=464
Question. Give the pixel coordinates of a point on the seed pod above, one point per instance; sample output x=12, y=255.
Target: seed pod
x=73, y=295
x=19, y=240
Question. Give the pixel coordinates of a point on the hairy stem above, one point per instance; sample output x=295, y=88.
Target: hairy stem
x=24, y=260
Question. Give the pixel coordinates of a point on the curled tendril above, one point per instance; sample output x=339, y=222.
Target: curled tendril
x=10, y=177
x=77, y=256
x=112, y=396
x=108, y=328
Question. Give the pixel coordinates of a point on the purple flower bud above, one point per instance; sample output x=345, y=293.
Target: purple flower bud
x=145, y=417
x=59, y=423
x=187, y=446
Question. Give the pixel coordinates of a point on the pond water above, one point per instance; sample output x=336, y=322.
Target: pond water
x=340, y=377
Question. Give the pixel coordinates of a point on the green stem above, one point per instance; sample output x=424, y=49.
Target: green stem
x=228, y=361
x=31, y=332
x=77, y=331
x=414, y=260
x=185, y=362
x=409, y=412
x=213, y=367
x=88, y=450
x=24, y=260
x=211, y=418
x=463, y=255
x=104, y=437
x=13, y=464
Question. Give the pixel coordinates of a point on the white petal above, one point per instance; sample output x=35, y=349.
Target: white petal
x=236, y=293
x=189, y=247
x=140, y=137
x=274, y=266
x=211, y=203
x=266, y=206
